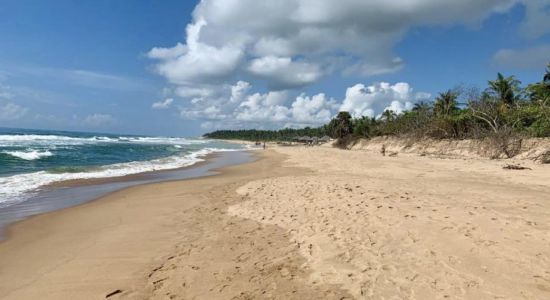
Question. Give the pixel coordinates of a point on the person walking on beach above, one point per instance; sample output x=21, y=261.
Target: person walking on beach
x=264, y=145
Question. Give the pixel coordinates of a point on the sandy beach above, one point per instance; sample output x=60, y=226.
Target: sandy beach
x=298, y=223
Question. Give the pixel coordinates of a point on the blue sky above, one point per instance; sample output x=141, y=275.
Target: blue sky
x=101, y=65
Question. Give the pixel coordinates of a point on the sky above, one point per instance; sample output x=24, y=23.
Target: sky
x=183, y=68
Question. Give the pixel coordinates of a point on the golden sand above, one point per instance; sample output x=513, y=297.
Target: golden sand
x=299, y=223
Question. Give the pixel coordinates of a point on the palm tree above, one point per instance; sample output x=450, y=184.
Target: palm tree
x=446, y=103
x=388, y=115
x=505, y=89
x=343, y=124
x=546, y=78
x=540, y=91
x=421, y=106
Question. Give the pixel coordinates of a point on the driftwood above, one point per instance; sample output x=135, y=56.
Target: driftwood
x=393, y=154
x=515, y=167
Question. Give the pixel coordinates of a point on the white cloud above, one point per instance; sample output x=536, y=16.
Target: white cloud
x=292, y=43
x=372, y=100
x=283, y=73
x=276, y=109
x=196, y=62
x=98, y=120
x=194, y=91
x=263, y=108
x=537, y=20
x=163, y=104
x=277, y=47
x=315, y=110
x=5, y=92
x=167, y=53
x=528, y=58
x=239, y=90
x=10, y=111
x=85, y=78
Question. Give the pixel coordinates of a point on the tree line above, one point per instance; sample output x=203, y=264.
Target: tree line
x=504, y=109
x=287, y=134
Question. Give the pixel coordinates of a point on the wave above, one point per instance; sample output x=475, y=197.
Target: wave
x=18, y=188
x=37, y=139
x=29, y=155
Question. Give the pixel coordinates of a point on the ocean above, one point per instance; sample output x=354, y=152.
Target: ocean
x=33, y=159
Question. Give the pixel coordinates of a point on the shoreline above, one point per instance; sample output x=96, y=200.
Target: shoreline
x=130, y=177
x=132, y=233
x=70, y=193
x=30, y=229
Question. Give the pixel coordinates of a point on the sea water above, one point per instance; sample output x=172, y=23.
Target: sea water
x=33, y=159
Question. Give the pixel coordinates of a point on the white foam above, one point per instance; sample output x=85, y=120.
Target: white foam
x=29, y=154
x=36, y=139
x=18, y=188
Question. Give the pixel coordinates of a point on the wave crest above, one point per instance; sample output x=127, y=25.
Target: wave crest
x=29, y=155
x=14, y=188
x=36, y=139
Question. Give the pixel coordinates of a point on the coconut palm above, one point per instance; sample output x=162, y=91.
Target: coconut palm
x=388, y=115
x=343, y=124
x=446, y=103
x=422, y=106
x=505, y=89
x=546, y=78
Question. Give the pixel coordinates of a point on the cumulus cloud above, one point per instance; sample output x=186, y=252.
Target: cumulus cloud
x=98, y=120
x=278, y=47
x=314, y=110
x=283, y=73
x=262, y=108
x=196, y=61
x=238, y=91
x=292, y=43
x=372, y=100
x=276, y=109
x=528, y=58
x=163, y=104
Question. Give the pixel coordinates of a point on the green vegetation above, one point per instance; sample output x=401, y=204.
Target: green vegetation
x=503, y=111
x=286, y=134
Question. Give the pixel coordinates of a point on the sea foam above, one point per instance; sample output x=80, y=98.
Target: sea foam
x=29, y=154
x=37, y=139
x=18, y=188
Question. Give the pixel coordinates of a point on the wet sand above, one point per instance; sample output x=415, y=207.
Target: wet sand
x=69, y=193
x=299, y=223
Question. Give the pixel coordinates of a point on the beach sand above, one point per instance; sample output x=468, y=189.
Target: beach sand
x=299, y=223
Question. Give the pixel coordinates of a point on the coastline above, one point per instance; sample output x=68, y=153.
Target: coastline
x=69, y=193
x=67, y=254
x=37, y=233
x=131, y=177
x=298, y=223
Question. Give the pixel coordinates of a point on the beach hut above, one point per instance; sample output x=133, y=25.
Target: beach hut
x=324, y=139
x=305, y=139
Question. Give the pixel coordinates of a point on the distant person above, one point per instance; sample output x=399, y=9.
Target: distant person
x=383, y=150
x=264, y=145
